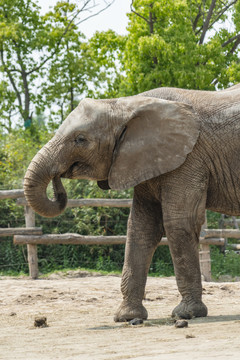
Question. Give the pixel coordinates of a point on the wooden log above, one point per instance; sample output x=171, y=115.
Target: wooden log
x=69, y=239
x=212, y=241
x=119, y=203
x=20, y=231
x=226, y=233
x=31, y=248
x=11, y=194
x=76, y=239
x=231, y=221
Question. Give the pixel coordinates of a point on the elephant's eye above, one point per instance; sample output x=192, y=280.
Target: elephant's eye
x=80, y=139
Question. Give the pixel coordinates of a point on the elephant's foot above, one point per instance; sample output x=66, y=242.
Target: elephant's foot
x=189, y=310
x=128, y=311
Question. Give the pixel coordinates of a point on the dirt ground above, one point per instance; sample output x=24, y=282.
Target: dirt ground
x=79, y=309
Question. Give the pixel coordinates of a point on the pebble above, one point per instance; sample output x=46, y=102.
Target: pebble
x=181, y=323
x=40, y=322
x=13, y=314
x=136, y=321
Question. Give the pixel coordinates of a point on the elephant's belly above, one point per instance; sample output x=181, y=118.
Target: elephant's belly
x=224, y=195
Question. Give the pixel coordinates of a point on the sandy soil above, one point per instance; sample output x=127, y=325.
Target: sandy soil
x=80, y=309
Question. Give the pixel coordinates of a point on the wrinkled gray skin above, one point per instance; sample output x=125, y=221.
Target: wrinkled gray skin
x=178, y=148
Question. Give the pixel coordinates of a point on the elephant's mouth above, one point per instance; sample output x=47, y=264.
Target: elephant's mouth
x=103, y=184
x=69, y=174
x=73, y=173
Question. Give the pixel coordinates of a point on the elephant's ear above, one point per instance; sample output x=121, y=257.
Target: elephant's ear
x=158, y=136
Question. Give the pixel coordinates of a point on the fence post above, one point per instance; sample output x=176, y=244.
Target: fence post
x=205, y=262
x=31, y=249
x=205, y=257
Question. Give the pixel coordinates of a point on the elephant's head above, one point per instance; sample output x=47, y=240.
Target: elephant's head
x=119, y=142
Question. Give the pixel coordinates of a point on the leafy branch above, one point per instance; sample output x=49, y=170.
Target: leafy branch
x=69, y=27
x=27, y=36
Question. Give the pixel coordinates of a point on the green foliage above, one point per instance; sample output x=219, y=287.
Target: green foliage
x=162, y=264
x=105, y=50
x=17, y=150
x=171, y=43
x=67, y=70
x=22, y=35
x=12, y=258
x=213, y=219
x=46, y=62
x=224, y=264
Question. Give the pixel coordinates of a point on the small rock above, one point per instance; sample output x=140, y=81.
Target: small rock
x=190, y=336
x=12, y=314
x=40, y=322
x=225, y=288
x=181, y=323
x=136, y=321
x=90, y=299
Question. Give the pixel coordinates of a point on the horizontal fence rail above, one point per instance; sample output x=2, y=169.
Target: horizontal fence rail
x=76, y=239
x=231, y=233
x=11, y=194
x=20, y=231
x=119, y=203
x=32, y=236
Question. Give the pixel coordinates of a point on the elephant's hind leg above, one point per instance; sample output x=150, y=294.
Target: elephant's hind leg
x=144, y=233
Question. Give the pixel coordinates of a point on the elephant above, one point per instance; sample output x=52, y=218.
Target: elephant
x=179, y=149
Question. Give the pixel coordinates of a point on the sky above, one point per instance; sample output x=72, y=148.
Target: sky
x=113, y=18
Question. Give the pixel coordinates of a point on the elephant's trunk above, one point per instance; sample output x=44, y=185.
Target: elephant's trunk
x=39, y=173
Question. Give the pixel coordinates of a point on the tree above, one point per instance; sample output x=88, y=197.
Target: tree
x=105, y=50
x=181, y=43
x=92, y=69
x=67, y=70
x=7, y=109
x=29, y=41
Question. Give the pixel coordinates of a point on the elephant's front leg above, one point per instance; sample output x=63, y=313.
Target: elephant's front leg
x=144, y=233
x=185, y=254
x=182, y=223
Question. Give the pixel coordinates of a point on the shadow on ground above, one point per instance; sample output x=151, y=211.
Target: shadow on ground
x=170, y=321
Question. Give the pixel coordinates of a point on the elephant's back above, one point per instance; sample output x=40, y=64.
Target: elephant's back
x=214, y=108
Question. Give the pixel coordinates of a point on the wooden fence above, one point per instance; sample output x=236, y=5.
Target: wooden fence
x=32, y=236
